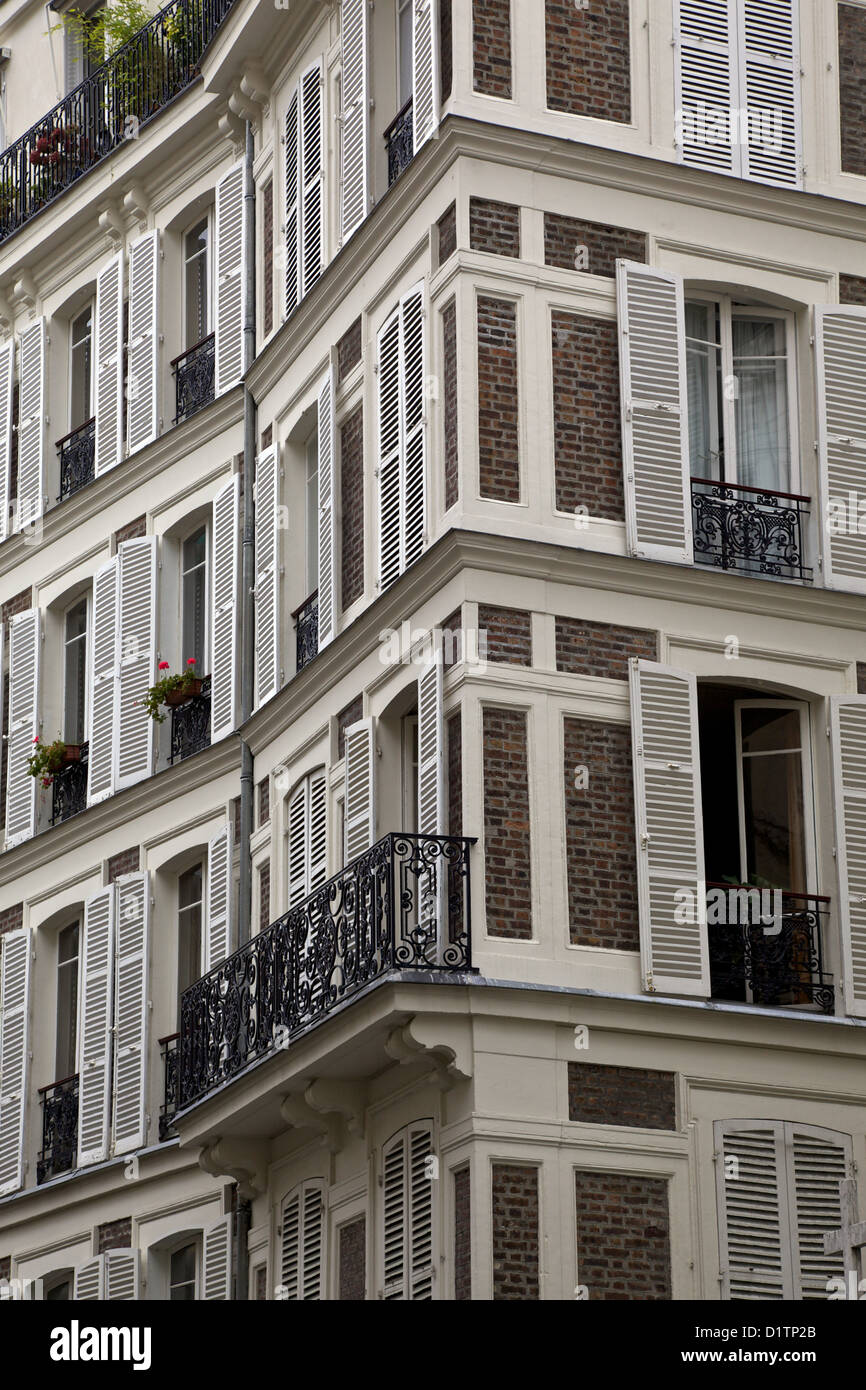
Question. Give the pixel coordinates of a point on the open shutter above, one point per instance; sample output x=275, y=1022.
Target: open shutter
x=121, y=1281
x=103, y=683
x=24, y=654
x=318, y=838
x=327, y=515
x=15, y=952
x=818, y=1160
x=230, y=240
x=293, y=203
x=134, y=736
x=268, y=671
x=360, y=788
x=7, y=377
x=705, y=82
x=108, y=354
x=654, y=416
x=840, y=354
x=848, y=737
x=224, y=635
x=770, y=90
x=754, y=1243
x=217, y=1260
x=668, y=820
x=143, y=340
x=302, y=1244
x=31, y=424
x=414, y=446
x=219, y=919
x=308, y=840
x=425, y=71
x=131, y=1013
x=88, y=1283
x=390, y=438
x=355, y=127
x=95, y=1026
x=297, y=845
x=312, y=252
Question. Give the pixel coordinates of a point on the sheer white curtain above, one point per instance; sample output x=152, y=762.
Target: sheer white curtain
x=761, y=371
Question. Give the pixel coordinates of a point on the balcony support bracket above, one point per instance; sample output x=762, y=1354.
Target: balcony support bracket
x=244, y=1160
x=330, y=1107
x=421, y=1040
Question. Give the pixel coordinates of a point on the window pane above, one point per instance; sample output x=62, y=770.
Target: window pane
x=404, y=51
x=189, y=887
x=193, y=599
x=703, y=374
x=75, y=673
x=761, y=403
x=189, y=928
x=196, y=250
x=67, y=944
x=182, y=1275
x=67, y=1001
x=770, y=730
x=775, y=830
x=60, y=1291
x=80, y=403
x=312, y=514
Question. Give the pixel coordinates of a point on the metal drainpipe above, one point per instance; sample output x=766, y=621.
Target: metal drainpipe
x=245, y=892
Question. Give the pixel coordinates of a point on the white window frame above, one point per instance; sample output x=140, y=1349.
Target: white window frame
x=64, y=966
x=202, y=524
x=201, y=865
x=311, y=448
x=400, y=7
x=809, y=827
x=208, y=217
x=88, y=639
x=91, y=304
x=195, y=1240
x=410, y=754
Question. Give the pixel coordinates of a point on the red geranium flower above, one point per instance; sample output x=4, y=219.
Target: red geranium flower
x=164, y=665
x=190, y=661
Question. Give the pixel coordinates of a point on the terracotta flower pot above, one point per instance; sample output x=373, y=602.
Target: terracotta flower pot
x=73, y=753
x=181, y=695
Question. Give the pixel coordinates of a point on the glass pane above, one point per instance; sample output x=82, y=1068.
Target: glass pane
x=775, y=831
x=703, y=374
x=193, y=624
x=80, y=403
x=67, y=1008
x=195, y=549
x=67, y=944
x=60, y=1291
x=76, y=620
x=188, y=947
x=189, y=887
x=404, y=51
x=770, y=730
x=75, y=674
x=183, y=1265
x=761, y=403
x=196, y=249
x=312, y=515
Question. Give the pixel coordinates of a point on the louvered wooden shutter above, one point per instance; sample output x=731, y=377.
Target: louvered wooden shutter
x=143, y=377
x=302, y=1244
x=131, y=1013
x=108, y=355
x=308, y=841
x=297, y=845
x=230, y=240
x=654, y=415
x=390, y=441
x=24, y=664
x=414, y=446
x=7, y=377
x=15, y=953
x=355, y=128
x=425, y=71
x=407, y=1206
x=134, y=733
x=818, y=1160
x=293, y=204
x=217, y=1260
x=840, y=354
x=669, y=825
x=224, y=644
x=120, y=1275
x=219, y=918
x=312, y=177
x=95, y=1010
x=31, y=424
x=268, y=670
x=88, y=1283
x=770, y=89
x=394, y=1221
x=360, y=799
x=848, y=737
x=327, y=515
x=706, y=80
x=754, y=1240
x=318, y=869
x=103, y=683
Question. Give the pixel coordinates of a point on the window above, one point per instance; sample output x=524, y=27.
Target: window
x=302, y=1231
x=410, y=772
x=774, y=793
x=312, y=504
x=189, y=922
x=406, y=1270
x=75, y=672
x=80, y=61
x=67, y=1002
x=81, y=369
x=404, y=52
x=196, y=283
x=194, y=598
x=62, y=1290
x=182, y=1274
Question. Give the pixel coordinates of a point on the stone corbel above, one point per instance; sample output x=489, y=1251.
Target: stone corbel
x=244, y=1160
x=255, y=87
x=136, y=205
x=241, y=106
x=111, y=225
x=25, y=294
x=421, y=1040
x=330, y=1108
x=231, y=128
x=7, y=315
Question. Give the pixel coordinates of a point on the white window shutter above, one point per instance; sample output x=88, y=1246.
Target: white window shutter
x=230, y=242
x=754, y=1241
x=840, y=356
x=652, y=362
x=770, y=90
x=668, y=819
x=394, y=1218
x=15, y=953
x=95, y=1019
x=292, y=233
x=302, y=1244
x=89, y=1280
x=297, y=844
x=360, y=792
x=355, y=127
x=706, y=80
x=268, y=673
x=290, y=1248
x=818, y=1160
x=217, y=1260
x=414, y=446
x=32, y=388
x=103, y=683
x=224, y=634
x=24, y=664
x=7, y=378
x=143, y=374
x=407, y=1213
x=425, y=71
x=848, y=738
x=420, y=1213
x=308, y=837
x=121, y=1276
x=219, y=918
x=312, y=177
x=390, y=450
x=108, y=357
x=318, y=853
x=327, y=515
x=431, y=792
x=131, y=1012
x=134, y=731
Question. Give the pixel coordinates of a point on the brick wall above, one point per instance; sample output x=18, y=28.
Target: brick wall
x=349, y=350
x=491, y=47
x=12, y=919
x=588, y=59
x=5, y=1266
x=623, y=1236
x=604, y=245
x=19, y=604
x=449, y=402
x=267, y=437
x=633, y=1096
x=268, y=257
x=265, y=895
x=353, y=1258
x=350, y=715
x=462, y=1237
x=494, y=227
x=861, y=678
x=132, y=532
x=447, y=229
x=446, y=58
x=452, y=646
x=352, y=507
x=114, y=1235
x=852, y=87
x=601, y=649
x=454, y=731
x=127, y=862
x=264, y=800
x=586, y=416
x=236, y=821
x=261, y=1283
x=600, y=847
x=498, y=424
x=515, y=1231
x=507, y=844
x=509, y=634
x=852, y=288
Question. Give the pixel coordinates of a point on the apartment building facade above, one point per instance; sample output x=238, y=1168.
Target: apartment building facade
x=472, y=393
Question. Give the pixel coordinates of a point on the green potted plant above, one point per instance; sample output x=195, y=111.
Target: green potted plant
x=171, y=690
x=47, y=759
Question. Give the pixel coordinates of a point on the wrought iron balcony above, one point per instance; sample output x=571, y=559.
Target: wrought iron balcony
x=403, y=905
x=190, y=724
x=194, y=378
x=400, y=140
x=77, y=452
x=169, y=1102
x=59, y=1129
x=750, y=529
x=775, y=963
x=307, y=628
x=69, y=788
x=107, y=109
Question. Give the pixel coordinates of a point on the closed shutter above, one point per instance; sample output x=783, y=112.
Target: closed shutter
x=219, y=918
x=414, y=425
x=705, y=82
x=312, y=244
x=143, y=379
x=818, y=1160
x=407, y=1209
x=670, y=844
x=121, y=1280
x=15, y=952
x=88, y=1283
x=134, y=732
x=24, y=662
x=230, y=240
x=108, y=354
x=770, y=90
x=290, y=1249
x=308, y=841
x=754, y=1240
x=103, y=683
x=7, y=377
x=302, y=1244
x=394, y=1221
x=848, y=737
x=31, y=424
x=390, y=440
x=268, y=671
x=360, y=799
x=318, y=864
x=223, y=710
x=327, y=514
x=293, y=204
x=425, y=71
x=95, y=1026
x=131, y=1013
x=217, y=1260
x=354, y=130
x=654, y=416
x=840, y=352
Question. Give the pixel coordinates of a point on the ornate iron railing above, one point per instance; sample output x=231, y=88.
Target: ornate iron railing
x=168, y=1108
x=107, y=109
x=403, y=905
x=77, y=451
x=307, y=628
x=400, y=141
x=194, y=378
x=59, y=1129
x=69, y=788
x=190, y=724
x=776, y=961
x=750, y=529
